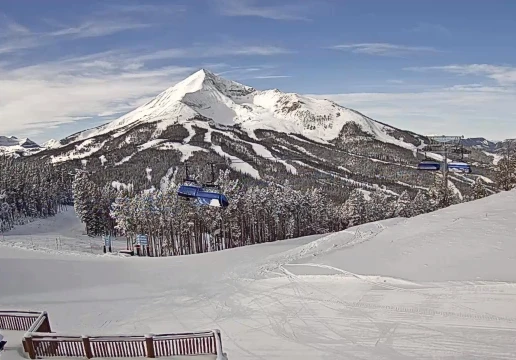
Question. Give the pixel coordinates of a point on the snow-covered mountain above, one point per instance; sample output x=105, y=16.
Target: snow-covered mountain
x=52, y=144
x=481, y=143
x=264, y=134
x=495, y=150
x=13, y=146
x=206, y=96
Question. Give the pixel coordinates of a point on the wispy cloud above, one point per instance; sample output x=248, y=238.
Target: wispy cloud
x=384, y=49
x=295, y=11
x=468, y=110
x=9, y=27
x=15, y=37
x=74, y=89
x=211, y=51
x=97, y=28
x=59, y=92
x=504, y=75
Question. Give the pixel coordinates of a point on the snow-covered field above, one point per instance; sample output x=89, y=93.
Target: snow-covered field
x=438, y=286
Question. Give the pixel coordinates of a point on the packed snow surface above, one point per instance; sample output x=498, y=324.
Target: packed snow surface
x=437, y=286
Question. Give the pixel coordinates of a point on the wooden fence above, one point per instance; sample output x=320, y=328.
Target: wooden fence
x=40, y=342
x=41, y=345
x=23, y=320
x=28, y=321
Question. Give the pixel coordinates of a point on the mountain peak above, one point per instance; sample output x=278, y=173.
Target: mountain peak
x=206, y=80
x=205, y=95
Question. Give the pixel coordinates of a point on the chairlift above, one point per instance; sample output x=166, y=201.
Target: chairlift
x=205, y=194
x=214, y=197
x=209, y=198
x=461, y=167
x=190, y=187
x=428, y=164
x=462, y=151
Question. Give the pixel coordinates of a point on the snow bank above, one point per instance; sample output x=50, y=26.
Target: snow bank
x=470, y=241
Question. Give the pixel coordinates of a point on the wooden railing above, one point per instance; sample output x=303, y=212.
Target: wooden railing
x=40, y=342
x=18, y=320
x=150, y=346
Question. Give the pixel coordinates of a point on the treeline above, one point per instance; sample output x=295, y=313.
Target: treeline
x=31, y=189
x=256, y=214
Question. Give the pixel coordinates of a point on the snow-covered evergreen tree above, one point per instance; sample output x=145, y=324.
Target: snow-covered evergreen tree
x=479, y=189
x=421, y=204
x=355, y=208
x=402, y=207
x=378, y=207
x=506, y=173
x=441, y=196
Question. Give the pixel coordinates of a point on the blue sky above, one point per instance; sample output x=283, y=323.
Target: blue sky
x=429, y=66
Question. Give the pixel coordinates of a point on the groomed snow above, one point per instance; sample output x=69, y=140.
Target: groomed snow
x=437, y=286
x=186, y=150
x=237, y=163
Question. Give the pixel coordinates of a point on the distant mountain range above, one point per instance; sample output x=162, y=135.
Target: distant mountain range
x=19, y=147
x=263, y=135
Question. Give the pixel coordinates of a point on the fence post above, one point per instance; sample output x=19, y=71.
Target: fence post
x=218, y=344
x=149, y=342
x=87, y=347
x=45, y=326
x=30, y=345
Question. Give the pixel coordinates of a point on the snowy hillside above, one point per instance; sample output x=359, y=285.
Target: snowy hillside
x=206, y=95
x=12, y=145
x=259, y=134
x=481, y=143
x=439, y=285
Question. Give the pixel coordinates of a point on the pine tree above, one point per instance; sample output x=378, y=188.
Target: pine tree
x=402, y=208
x=479, y=189
x=378, y=207
x=421, y=204
x=506, y=173
x=441, y=196
x=355, y=208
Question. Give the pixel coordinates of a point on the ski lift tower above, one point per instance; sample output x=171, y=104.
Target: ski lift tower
x=442, y=144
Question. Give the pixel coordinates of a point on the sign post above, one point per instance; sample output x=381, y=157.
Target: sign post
x=107, y=243
x=142, y=241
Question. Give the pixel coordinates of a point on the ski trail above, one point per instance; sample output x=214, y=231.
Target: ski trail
x=391, y=287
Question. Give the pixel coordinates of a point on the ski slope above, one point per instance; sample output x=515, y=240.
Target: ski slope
x=228, y=103
x=438, y=286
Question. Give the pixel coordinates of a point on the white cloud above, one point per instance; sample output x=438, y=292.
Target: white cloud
x=467, y=110
x=96, y=28
x=15, y=36
x=79, y=89
x=295, y=11
x=384, y=49
x=9, y=27
x=211, y=51
x=14, y=40
x=504, y=75
x=55, y=93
